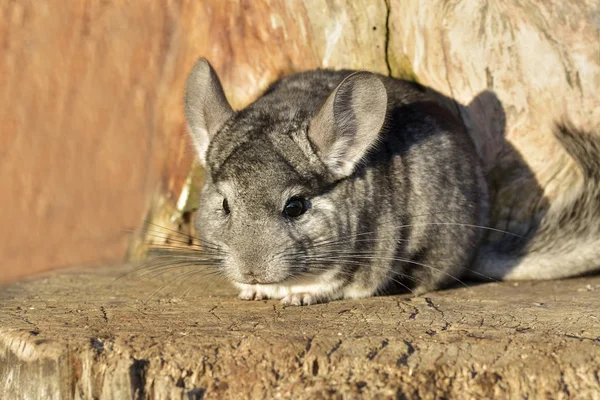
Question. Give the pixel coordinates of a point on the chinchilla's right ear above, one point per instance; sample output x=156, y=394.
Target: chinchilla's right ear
x=206, y=108
x=348, y=124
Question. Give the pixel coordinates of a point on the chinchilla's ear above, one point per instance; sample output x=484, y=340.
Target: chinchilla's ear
x=206, y=108
x=348, y=124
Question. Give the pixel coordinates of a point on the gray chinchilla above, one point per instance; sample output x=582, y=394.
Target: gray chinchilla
x=345, y=184
x=334, y=184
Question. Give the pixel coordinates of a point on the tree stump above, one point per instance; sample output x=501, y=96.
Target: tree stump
x=79, y=334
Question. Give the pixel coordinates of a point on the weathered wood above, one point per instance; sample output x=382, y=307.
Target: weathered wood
x=91, y=129
x=76, y=335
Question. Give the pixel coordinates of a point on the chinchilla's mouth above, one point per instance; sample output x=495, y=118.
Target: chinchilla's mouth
x=289, y=280
x=257, y=282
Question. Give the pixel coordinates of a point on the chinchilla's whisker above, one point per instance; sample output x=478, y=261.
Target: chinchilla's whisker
x=344, y=242
x=165, y=236
x=172, y=258
x=183, y=244
x=180, y=241
x=170, y=267
x=342, y=255
x=411, y=262
x=175, y=264
x=202, y=241
x=349, y=252
x=174, y=252
x=487, y=228
x=143, y=267
x=344, y=238
x=170, y=234
x=201, y=273
x=401, y=284
x=156, y=272
x=409, y=277
x=346, y=273
x=187, y=291
x=171, y=282
x=164, y=228
x=194, y=280
x=190, y=256
x=360, y=264
x=318, y=261
x=171, y=261
x=160, y=235
x=175, y=249
x=489, y=278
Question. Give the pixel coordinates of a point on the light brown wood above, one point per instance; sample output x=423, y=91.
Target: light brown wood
x=79, y=335
x=92, y=127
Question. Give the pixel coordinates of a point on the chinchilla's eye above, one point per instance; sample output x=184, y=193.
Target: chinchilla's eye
x=295, y=207
x=225, y=206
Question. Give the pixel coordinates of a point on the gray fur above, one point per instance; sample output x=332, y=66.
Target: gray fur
x=393, y=183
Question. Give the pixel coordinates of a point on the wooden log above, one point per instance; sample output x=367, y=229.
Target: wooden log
x=79, y=334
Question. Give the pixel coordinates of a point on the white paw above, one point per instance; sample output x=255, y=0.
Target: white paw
x=251, y=293
x=299, y=299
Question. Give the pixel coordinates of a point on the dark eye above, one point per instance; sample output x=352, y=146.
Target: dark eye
x=226, y=206
x=295, y=207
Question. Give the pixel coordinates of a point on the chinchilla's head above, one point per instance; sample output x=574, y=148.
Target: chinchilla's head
x=274, y=172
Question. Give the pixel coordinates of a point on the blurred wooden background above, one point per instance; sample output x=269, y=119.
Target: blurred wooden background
x=92, y=130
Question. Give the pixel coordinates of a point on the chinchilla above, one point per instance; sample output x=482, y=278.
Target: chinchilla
x=335, y=184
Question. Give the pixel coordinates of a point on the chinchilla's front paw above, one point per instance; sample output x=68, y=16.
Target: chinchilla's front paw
x=299, y=299
x=305, y=296
x=251, y=292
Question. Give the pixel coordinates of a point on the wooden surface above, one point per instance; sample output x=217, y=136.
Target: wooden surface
x=76, y=334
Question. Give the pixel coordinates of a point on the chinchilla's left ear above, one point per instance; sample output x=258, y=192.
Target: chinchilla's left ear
x=206, y=108
x=348, y=124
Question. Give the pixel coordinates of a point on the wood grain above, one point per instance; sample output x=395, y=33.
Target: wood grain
x=531, y=340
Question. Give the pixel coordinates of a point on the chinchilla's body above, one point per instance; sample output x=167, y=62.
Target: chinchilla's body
x=335, y=184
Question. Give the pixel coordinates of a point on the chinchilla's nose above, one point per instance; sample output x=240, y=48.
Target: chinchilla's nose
x=251, y=254
x=249, y=267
